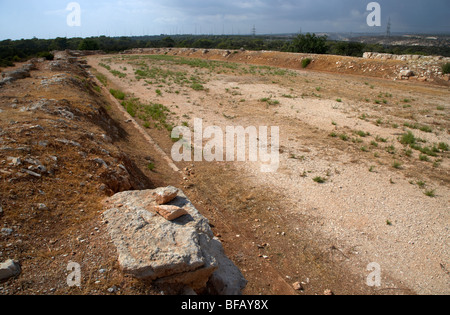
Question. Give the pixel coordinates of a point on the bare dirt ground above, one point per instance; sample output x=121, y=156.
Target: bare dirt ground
x=383, y=199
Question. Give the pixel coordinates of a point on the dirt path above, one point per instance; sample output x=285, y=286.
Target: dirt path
x=375, y=204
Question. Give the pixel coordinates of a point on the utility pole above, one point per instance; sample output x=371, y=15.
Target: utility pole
x=388, y=30
x=254, y=31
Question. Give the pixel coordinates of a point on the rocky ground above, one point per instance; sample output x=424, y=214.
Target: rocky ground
x=353, y=186
x=58, y=162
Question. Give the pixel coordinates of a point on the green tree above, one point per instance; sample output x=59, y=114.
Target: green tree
x=309, y=43
x=167, y=42
x=59, y=43
x=88, y=44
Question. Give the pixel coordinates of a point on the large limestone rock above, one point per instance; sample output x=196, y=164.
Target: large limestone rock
x=182, y=252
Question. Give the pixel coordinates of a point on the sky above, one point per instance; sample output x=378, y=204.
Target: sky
x=48, y=18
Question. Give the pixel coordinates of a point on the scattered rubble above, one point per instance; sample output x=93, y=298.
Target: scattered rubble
x=425, y=68
x=21, y=73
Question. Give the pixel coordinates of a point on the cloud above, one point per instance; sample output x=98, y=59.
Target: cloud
x=24, y=18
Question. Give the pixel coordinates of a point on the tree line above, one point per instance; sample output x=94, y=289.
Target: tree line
x=20, y=50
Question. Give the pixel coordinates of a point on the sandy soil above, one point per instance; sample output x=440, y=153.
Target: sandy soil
x=372, y=206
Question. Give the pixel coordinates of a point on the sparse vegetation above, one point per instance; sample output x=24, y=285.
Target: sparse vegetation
x=306, y=62
x=430, y=193
x=102, y=78
x=117, y=94
x=423, y=128
x=446, y=68
x=319, y=179
x=197, y=87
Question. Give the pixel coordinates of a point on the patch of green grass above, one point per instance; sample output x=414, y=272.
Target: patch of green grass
x=197, y=87
x=430, y=193
x=363, y=117
x=151, y=166
x=269, y=101
x=443, y=147
x=102, y=78
x=390, y=149
x=339, y=100
x=118, y=74
x=397, y=165
x=319, y=179
x=425, y=150
x=362, y=133
x=408, y=139
x=131, y=106
x=421, y=184
x=343, y=137
x=158, y=113
x=424, y=158
x=423, y=128
x=117, y=94
x=105, y=66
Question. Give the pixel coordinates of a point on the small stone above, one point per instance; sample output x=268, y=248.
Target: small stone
x=7, y=231
x=15, y=161
x=170, y=213
x=165, y=195
x=328, y=292
x=297, y=286
x=32, y=173
x=9, y=269
x=112, y=289
x=106, y=138
x=42, y=207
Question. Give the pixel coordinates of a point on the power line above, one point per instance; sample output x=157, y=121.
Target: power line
x=388, y=30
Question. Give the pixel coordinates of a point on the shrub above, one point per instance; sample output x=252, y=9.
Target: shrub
x=46, y=55
x=446, y=68
x=306, y=62
x=408, y=139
